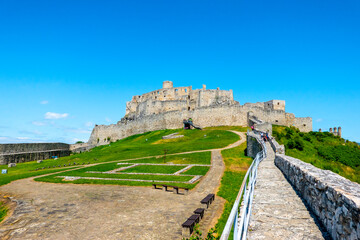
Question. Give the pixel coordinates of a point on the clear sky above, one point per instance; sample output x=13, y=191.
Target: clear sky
x=66, y=65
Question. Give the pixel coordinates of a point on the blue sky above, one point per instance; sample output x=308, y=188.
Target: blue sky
x=66, y=65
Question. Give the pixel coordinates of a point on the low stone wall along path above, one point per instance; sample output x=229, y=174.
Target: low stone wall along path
x=278, y=212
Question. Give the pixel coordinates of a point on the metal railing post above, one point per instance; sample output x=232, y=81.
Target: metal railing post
x=246, y=192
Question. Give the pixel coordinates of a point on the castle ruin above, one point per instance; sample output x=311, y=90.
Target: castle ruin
x=336, y=132
x=165, y=108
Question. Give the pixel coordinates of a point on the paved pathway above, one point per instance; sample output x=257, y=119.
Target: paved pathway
x=72, y=211
x=278, y=212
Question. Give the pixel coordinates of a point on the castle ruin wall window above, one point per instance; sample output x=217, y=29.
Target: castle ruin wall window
x=185, y=90
x=276, y=121
x=304, y=125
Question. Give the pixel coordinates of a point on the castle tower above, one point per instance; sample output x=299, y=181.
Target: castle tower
x=330, y=130
x=339, y=131
x=335, y=130
x=319, y=129
x=167, y=84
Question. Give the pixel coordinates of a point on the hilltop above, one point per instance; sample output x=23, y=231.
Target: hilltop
x=321, y=149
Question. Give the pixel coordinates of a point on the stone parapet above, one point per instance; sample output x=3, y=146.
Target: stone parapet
x=335, y=200
x=253, y=144
x=280, y=149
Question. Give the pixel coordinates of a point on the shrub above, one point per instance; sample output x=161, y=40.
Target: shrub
x=290, y=144
x=299, y=144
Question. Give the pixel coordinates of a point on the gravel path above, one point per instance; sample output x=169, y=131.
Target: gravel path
x=278, y=212
x=73, y=211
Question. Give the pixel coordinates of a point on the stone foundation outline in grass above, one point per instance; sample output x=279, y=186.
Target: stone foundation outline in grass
x=73, y=178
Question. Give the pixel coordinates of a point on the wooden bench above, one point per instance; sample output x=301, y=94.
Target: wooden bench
x=175, y=188
x=195, y=217
x=188, y=227
x=208, y=200
x=200, y=211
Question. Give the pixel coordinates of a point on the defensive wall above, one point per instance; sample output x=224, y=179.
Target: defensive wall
x=334, y=199
x=24, y=152
x=167, y=107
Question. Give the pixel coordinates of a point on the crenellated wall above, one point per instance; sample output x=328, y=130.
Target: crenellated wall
x=218, y=115
x=167, y=107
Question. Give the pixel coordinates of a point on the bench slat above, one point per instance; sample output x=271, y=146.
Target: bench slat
x=188, y=223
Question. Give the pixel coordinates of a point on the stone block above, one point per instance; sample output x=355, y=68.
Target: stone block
x=334, y=199
x=11, y=165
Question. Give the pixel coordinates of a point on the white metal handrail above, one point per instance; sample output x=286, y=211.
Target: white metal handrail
x=246, y=193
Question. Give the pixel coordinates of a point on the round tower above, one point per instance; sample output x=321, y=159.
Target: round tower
x=167, y=84
x=339, y=131
x=330, y=130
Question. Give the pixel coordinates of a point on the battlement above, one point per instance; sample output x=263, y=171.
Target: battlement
x=166, y=108
x=176, y=99
x=336, y=132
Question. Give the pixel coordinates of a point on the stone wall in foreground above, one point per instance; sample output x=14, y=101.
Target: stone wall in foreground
x=334, y=199
x=253, y=146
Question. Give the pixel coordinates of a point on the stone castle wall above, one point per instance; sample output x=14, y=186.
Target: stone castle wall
x=171, y=98
x=167, y=107
x=24, y=152
x=334, y=199
x=217, y=115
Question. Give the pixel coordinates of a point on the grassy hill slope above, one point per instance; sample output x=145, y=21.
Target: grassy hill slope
x=321, y=149
x=136, y=146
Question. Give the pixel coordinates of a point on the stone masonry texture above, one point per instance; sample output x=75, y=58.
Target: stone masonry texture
x=24, y=152
x=334, y=199
x=277, y=211
x=167, y=107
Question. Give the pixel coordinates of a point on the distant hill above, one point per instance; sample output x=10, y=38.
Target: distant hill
x=321, y=149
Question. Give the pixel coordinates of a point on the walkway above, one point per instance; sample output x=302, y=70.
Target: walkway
x=72, y=211
x=278, y=212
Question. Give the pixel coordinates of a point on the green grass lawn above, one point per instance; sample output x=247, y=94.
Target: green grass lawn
x=197, y=170
x=191, y=158
x=236, y=165
x=122, y=176
x=235, y=128
x=25, y=170
x=137, y=146
x=114, y=182
x=321, y=149
x=154, y=169
x=3, y=211
x=151, y=144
